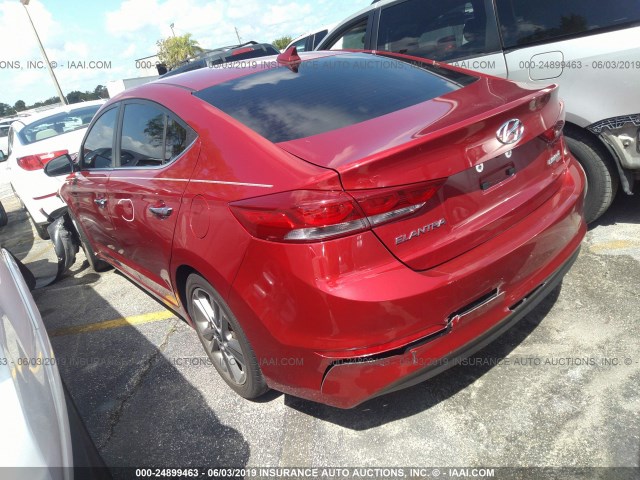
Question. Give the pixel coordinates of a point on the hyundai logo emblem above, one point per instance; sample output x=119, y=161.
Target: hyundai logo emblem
x=510, y=132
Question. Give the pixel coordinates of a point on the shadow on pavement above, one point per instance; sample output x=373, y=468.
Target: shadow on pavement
x=624, y=209
x=17, y=236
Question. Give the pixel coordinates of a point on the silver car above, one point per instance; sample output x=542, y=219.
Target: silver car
x=40, y=426
x=33, y=412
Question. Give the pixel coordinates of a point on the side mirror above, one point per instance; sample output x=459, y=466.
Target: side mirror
x=62, y=165
x=3, y=157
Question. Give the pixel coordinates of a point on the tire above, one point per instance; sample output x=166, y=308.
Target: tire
x=223, y=339
x=94, y=262
x=602, y=175
x=40, y=229
x=4, y=219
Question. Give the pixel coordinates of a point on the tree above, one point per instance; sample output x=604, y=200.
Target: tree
x=75, y=97
x=282, y=42
x=5, y=109
x=101, y=92
x=19, y=106
x=173, y=51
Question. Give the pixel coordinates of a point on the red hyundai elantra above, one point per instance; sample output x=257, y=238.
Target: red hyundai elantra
x=335, y=226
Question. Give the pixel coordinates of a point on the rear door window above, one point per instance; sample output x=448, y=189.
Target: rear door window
x=318, y=37
x=300, y=44
x=151, y=137
x=524, y=22
x=439, y=30
x=353, y=38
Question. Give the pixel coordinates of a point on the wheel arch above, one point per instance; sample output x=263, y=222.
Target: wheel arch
x=605, y=150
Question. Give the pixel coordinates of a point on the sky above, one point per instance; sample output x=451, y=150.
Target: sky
x=92, y=42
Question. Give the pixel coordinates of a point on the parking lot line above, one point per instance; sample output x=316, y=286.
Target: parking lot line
x=117, y=323
x=613, y=245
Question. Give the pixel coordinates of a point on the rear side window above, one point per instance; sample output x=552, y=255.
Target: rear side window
x=525, y=21
x=318, y=37
x=151, y=137
x=300, y=44
x=352, y=39
x=328, y=93
x=439, y=30
x=4, y=132
x=57, y=124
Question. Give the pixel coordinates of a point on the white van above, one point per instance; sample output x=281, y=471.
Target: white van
x=590, y=48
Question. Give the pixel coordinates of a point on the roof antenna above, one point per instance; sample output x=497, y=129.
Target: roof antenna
x=290, y=58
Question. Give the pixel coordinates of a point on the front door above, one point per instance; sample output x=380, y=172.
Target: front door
x=88, y=187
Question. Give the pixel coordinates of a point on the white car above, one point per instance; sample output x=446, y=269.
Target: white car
x=310, y=40
x=4, y=138
x=33, y=142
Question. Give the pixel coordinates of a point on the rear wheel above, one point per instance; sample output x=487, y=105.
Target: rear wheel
x=223, y=339
x=602, y=176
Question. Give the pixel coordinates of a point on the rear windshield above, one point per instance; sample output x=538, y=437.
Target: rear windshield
x=58, y=124
x=329, y=93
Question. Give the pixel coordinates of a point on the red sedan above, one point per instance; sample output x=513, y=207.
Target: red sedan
x=335, y=226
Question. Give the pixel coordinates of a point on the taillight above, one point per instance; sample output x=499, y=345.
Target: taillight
x=38, y=161
x=554, y=133
x=386, y=204
x=240, y=51
x=314, y=215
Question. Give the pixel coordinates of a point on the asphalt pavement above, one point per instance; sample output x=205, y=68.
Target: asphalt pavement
x=561, y=389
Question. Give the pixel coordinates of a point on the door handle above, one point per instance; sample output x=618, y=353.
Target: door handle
x=161, y=212
x=101, y=202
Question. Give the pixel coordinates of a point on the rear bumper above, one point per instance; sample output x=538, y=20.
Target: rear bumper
x=419, y=356
x=343, y=322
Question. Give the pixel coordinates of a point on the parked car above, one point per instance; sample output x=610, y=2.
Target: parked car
x=334, y=225
x=40, y=427
x=590, y=48
x=4, y=134
x=218, y=56
x=34, y=141
x=310, y=40
x=3, y=168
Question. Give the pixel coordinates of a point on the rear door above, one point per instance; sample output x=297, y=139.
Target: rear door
x=88, y=186
x=586, y=46
x=153, y=166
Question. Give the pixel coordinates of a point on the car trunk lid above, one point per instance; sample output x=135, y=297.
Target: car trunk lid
x=485, y=185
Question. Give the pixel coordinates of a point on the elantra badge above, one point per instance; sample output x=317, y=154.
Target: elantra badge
x=420, y=231
x=510, y=132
